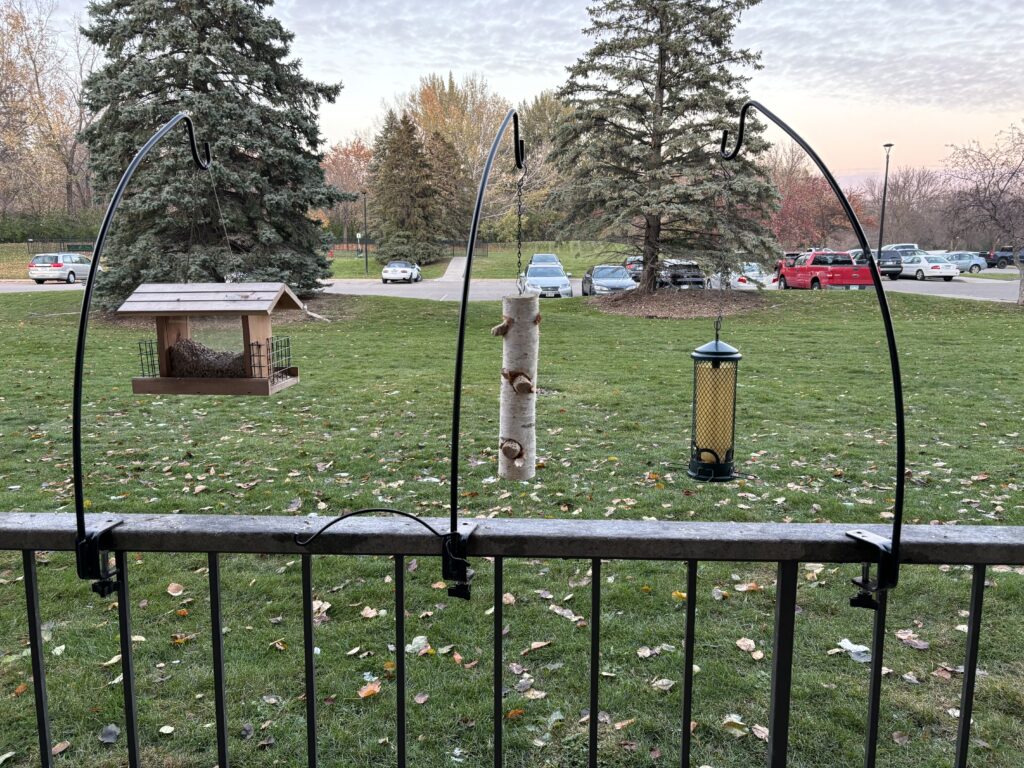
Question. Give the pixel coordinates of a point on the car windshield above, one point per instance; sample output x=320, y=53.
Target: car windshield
x=612, y=273
x=47, y=258
x=842, y=261
x=936, y=260
x=545, y=272
x=544, y=258
x=399, y=265
x=751, y=269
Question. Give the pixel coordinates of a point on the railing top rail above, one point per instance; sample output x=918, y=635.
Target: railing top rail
x=610, y=539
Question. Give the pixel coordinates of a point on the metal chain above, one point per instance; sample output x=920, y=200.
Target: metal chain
x=520, y=282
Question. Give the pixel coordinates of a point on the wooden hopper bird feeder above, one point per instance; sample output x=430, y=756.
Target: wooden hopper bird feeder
x=176, y=364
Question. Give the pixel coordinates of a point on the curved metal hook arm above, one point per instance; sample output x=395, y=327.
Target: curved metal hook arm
x=889, y=551
x=520, y=159
x=89, y=566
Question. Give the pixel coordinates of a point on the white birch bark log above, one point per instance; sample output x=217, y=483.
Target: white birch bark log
x=517, y=437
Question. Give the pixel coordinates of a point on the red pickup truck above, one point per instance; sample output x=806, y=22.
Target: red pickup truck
x=825, y=269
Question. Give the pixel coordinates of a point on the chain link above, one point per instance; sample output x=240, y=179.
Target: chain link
x=520, y=280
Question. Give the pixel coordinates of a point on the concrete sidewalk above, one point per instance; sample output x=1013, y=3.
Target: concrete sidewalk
x=455, y=272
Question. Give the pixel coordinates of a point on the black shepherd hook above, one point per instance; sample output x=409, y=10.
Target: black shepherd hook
x=90, y=556
x=457, y=542
x=888, y=549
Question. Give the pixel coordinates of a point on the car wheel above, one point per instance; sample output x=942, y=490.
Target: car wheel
x=815, y=285
x=384, y=281
x=919, y=275
x=894, y=275
x=40, y=282
x=975, y=269
x=419, y=278
x=1001, y=263
x=947, y=279
x=71, y=278
x=783, y=285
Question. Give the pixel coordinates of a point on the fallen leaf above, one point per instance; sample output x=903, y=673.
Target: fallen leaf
x=271, y=699
x=439, y=585
x=677, y=595
x=859, y=653
x=60, y=747
x=369, y=613
x=108, y=734
x=760, y=732
x=514, y=714
x=175, y=590
x=663, y=684
x=757, y=655
x=900, y=737
x=734, y=724
x=180, y=638
x=6, y=756
x=421, y=698
x=534, y=694
x=622, y=724
x=370, y=689
x=279, y=644
x=246, y=732
x=719, y=594
x=508, y=599
x=536, y=645
x=746, y=644
x=751, y=586
x=166, y=730
x=21, y=689
x=267, y=743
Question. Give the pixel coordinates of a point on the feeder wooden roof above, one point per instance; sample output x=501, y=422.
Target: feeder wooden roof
x=186, y=299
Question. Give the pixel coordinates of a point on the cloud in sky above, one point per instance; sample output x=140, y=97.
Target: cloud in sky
x=878, y=67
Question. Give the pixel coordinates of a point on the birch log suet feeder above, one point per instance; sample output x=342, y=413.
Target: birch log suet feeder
x=517, y=427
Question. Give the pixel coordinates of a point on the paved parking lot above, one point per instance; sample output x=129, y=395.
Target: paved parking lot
x=975, y=288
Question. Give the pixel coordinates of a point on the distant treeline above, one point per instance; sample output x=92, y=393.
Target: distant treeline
x=50, y=226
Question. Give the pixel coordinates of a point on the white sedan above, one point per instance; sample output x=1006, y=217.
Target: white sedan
x=924, y=266
x=401, y=270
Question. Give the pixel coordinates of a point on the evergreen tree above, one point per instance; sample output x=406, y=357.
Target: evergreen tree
x=452, y=187
x=405, y=205
x=640, y=147
x=226, y=62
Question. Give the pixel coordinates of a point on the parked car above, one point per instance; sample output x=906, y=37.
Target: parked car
x=548, y=280
x=750, y=276
x=607, y=278
x=66, y=267
x=825, y=269
x=1001, y=258
x=401, y=270
x=967, y=261
x=901, y=247
x=921, y=266
x=635, y=266
x=680, y=273
x=544, y=258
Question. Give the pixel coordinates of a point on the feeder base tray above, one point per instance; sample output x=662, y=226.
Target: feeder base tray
x=167, y=385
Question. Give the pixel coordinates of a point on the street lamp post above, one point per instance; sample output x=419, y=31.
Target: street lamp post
x=885, y=190
x=366, y=235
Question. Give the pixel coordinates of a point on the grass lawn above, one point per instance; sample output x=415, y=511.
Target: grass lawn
x=369, y=424
x=1011, y=274
x=575, y=255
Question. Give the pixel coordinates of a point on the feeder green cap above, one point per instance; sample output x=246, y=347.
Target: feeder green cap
x=716, y=350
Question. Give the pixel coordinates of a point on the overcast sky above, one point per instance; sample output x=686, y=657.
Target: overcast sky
x=848, y=75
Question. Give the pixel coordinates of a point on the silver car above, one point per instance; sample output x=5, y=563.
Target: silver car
x=548, y=280
x=66, y=267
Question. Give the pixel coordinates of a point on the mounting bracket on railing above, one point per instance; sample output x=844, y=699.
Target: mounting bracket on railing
x=887, y=549
x=454, y=565
x=92, y=557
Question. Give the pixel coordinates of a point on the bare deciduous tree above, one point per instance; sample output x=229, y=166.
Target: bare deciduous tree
x=987, y=190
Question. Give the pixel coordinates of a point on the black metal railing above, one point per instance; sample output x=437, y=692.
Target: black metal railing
x=595, y=541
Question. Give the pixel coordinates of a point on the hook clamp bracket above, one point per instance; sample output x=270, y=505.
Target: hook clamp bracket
x=92, y=556
x=454, y=564
x=887, y=570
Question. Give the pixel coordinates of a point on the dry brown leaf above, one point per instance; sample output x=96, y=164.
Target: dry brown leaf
x=439, y=585
x=166, y=730
x=760, y=732
x=421, y=698
x=757, y=655
x=734, y=724
x=370, y=689
x=534, y=694
x=536, y=645
x=369, y=613
x=508, y=599
x=175, y=590
x=60, y=747
x=20, y=690
x=901, y=738
x=663, y=684
x=113, y=660
x=622, y=724
x=746, y=644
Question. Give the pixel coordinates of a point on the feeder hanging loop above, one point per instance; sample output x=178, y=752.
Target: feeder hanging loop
x=886, y=551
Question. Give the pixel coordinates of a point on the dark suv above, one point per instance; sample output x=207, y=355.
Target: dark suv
x=890, y=263
x=1000, y=258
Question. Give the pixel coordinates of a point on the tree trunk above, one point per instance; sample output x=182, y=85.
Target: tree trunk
x=652, y=243
x=1020, y=285
x=517, y=434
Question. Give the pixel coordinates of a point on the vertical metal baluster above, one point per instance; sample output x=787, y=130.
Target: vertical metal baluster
x=35, y=635
x=400, y=653
x=875, y=691
x=963, y=736
x=499, y=591
x=688, y=653
x=782, y=663
x=217, y=637
x=124, y=620
x=595, y=652
x=307, y=637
